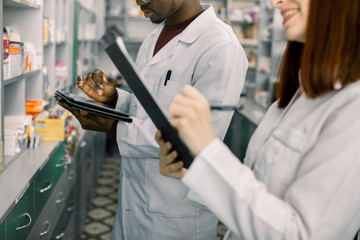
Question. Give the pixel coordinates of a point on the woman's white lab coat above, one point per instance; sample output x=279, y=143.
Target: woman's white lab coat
x=207, y=55
x=302, y=174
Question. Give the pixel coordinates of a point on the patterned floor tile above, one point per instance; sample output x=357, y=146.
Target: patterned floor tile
x=109, y=221
x=114, y=196
x=100, y=219
x=99, y=213
x=101, y=201
x=96, y=228
x=106, y=236
x=108, y=174
x=106, y=181
x=103, y=190
x=112, y=207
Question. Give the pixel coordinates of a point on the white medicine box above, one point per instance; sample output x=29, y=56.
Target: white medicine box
x=15, y=59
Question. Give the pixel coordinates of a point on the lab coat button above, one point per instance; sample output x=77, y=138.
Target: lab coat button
x=126, y=174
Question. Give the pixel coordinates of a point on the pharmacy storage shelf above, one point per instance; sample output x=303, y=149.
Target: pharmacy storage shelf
x=40, y=25
x=20, y=77
x=270, y=51
x=90, y=25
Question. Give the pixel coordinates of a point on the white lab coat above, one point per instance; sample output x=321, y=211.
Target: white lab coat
x=302, y=174
x=208, y=56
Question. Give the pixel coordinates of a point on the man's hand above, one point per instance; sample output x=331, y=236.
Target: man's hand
x=167, y=165
x=97, y=86
x=91, y=122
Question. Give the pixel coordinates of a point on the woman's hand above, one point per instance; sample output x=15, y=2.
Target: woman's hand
x=97, y=86
x=190, y=113
x=167, y=165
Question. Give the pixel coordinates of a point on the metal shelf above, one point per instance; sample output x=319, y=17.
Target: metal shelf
x=22, y=76
x=20, y=4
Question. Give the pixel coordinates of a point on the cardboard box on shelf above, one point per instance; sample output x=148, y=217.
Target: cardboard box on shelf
x=52, y=129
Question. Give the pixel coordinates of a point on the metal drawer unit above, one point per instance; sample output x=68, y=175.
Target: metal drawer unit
x=21, y=219
x=62, y=227
x=44, y=186
x=2, y=231
x=58, y=160
x=50, y=213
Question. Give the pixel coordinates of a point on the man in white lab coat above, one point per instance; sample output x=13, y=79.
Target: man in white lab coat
x=191, y=46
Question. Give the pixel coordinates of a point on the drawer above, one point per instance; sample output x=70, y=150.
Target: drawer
x=58, y=161
x=62, y=226
x=53, y=208
x=71, y=174
x=43, y=187
x=2, y=231
x=70, y=230
x=21, y=219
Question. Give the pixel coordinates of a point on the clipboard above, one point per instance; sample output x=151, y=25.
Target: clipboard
x=116, y=50
x=91, y=106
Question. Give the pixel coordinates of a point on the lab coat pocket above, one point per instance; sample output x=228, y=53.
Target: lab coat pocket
x=281, y=155
x=165, y=93
x=163, y=194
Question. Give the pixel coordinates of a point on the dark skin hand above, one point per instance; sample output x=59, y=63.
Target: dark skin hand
x=91, y=122
x=97, y=86
x=100, y=88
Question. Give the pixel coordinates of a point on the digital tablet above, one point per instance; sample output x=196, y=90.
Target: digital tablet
x=115, y=48
x=90, y=106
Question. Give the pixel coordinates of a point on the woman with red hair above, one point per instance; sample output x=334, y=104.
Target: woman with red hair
x=301, y=175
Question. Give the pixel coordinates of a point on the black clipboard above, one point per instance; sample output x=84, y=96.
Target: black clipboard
x=91, y=106
x=115, y=48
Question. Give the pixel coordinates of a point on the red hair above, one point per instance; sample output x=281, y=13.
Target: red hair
x=331, y=54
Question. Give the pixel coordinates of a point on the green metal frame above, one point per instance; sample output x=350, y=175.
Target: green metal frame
x=75, y=40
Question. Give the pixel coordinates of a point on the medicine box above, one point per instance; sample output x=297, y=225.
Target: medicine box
x=6, y=45
x=52, y=129
x=16, y=57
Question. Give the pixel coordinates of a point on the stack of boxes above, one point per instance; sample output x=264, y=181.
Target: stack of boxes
x=19, y=57
x=14, y=47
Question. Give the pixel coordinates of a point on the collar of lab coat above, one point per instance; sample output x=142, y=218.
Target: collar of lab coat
x=189, y=35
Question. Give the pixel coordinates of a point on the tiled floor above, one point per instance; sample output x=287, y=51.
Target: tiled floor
x=100, y=218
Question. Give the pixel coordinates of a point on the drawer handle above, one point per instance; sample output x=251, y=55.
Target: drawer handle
x=48, y=224
x=60, y=236
x=70, y=209
x=82, y=144
x=46, y=189
x=61, y=199
x=25, y=226
x=61, y=164
x=72, y=175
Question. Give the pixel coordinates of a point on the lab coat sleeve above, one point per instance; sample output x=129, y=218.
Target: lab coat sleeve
x=321, y=203
x=220, y=76
x=123, y=102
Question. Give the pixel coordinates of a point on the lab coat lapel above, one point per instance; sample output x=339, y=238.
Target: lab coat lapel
x=165, y=52
x=188, y=36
